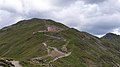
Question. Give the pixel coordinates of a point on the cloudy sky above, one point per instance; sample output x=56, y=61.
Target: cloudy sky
x=94, y=16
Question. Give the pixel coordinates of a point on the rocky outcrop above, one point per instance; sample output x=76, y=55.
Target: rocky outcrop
x=6, y=63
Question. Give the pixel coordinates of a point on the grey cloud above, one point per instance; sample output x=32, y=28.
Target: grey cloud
x=98, y=30
x=9, y=21
x=38, y=14
x=65, y=2
x=8, y=17
x=94, y=1
x=8, y=9
x=103, y=25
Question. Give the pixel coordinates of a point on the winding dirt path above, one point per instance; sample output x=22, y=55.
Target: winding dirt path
x=55, y=53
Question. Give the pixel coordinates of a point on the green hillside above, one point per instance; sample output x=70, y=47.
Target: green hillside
x=46, y=43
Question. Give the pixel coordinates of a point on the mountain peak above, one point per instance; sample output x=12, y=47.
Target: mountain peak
x=35, y=22
x=111, y=35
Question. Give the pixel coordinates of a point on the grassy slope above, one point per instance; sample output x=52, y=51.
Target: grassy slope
x=19, y=42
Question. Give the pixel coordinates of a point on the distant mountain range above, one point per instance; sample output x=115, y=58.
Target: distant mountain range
x=46, y=43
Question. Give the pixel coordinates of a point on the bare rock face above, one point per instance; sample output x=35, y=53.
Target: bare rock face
x=52, y=28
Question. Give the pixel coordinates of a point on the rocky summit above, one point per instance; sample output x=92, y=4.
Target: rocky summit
x=46, y=43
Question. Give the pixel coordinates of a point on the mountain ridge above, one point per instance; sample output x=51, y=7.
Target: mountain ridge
x=36, y=42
